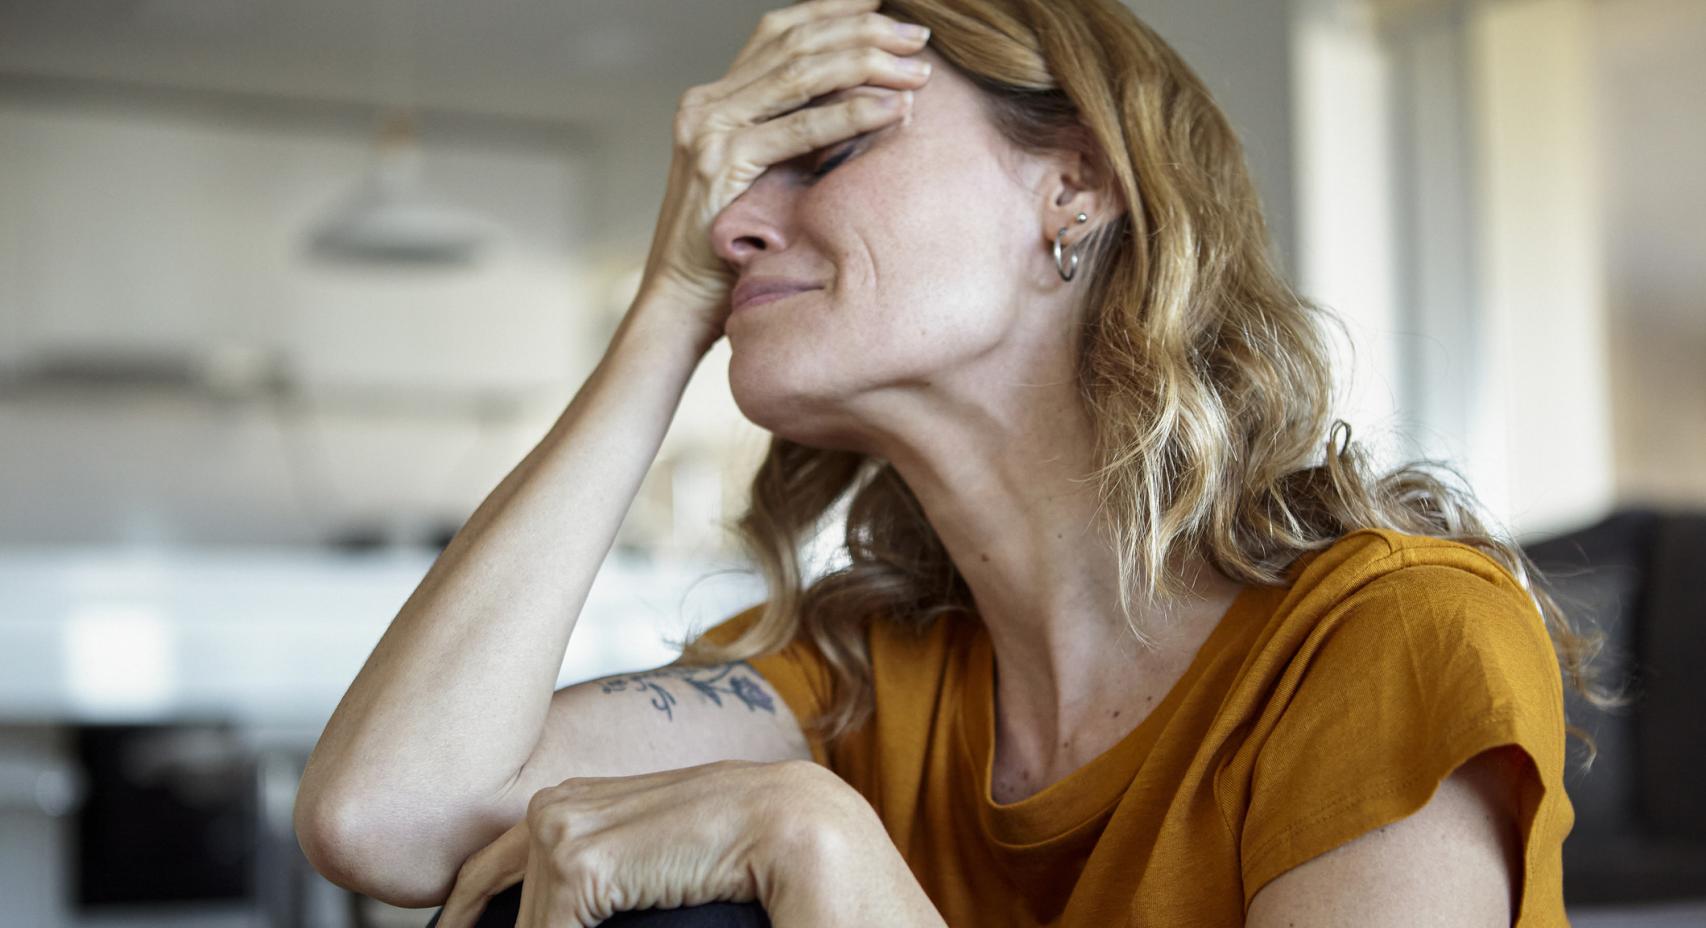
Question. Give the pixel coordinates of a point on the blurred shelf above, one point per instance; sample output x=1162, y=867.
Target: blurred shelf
x=241, y=378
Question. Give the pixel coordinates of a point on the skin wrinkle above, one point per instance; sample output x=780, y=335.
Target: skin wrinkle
x=944, y=342
x=871, y=260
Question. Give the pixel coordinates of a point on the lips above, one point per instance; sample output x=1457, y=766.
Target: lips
x=754, y=288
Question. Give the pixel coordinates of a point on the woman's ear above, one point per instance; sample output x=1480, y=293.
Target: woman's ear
x=1075, y=183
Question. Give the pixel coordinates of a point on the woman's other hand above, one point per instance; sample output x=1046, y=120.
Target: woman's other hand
x=730, y=131
x=590, y=847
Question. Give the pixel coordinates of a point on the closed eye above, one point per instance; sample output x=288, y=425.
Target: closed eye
x=832, y=162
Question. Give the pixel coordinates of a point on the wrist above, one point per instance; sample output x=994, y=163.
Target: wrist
x=676, y=313
x=829, y=861
x=799, y=841
x=801, y=875
x=651, y=329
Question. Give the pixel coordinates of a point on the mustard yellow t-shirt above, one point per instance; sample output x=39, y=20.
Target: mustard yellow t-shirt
x=1312, y=714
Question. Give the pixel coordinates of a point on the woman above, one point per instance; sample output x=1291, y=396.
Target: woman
x=1129, y=634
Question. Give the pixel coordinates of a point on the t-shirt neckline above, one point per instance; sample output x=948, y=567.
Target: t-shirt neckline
x=1080, y=798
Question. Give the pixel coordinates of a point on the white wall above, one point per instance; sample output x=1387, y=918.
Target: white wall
x=1452, y=189
x=1652, y=139
x=143, y=234
x=1242, y=51
x=1347, y=228
x=1543, y=326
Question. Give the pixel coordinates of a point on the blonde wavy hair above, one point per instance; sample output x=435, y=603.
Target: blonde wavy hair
x=1206, y=377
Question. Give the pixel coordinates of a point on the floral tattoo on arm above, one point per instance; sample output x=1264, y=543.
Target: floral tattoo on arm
x=712, y=683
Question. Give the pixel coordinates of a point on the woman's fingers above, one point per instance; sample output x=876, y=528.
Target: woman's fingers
x=824, y=57
x=598, y=846
x=866, y=30
x=790, y=136
x=767, y=122
x=797, y=81
x=778, y=21
x=487, y=872
x=729, y=132
x=531, y=913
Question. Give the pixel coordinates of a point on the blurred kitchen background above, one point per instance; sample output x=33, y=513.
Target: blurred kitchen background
x=287, y=288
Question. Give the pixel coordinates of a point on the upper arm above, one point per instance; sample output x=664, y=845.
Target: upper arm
x=659, y=719
x=1456, y=861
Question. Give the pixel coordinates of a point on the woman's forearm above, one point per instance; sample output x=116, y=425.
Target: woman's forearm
x=451, y=702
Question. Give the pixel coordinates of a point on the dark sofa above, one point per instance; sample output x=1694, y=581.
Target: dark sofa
x=1640, y=832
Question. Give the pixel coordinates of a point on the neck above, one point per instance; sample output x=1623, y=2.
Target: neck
x=1064, y=692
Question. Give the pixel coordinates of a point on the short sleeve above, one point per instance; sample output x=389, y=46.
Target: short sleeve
x=1415, y=673
x=797, y=672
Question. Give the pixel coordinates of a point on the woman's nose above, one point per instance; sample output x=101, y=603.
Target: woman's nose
x=749, y=226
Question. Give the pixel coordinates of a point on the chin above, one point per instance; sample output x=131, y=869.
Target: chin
x=769, y=395
x=764, y=385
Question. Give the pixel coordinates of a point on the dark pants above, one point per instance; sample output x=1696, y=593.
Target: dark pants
x=505, y=908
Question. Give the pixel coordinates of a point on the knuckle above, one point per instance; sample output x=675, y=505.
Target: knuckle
x=875, y=59
x=542, y=802
x=686, y=129
x=552, y=828
x=793, y=39
x=799, y=130
x=707, y=159
x=793, y=72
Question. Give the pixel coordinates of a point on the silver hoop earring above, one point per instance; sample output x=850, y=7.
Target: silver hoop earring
x=1066, y=269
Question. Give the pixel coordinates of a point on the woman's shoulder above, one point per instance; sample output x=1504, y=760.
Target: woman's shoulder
x=1396, y=659
x=1378, y=560
x=1402, y=596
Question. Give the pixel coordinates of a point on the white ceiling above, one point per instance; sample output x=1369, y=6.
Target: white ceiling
x=552, y=60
